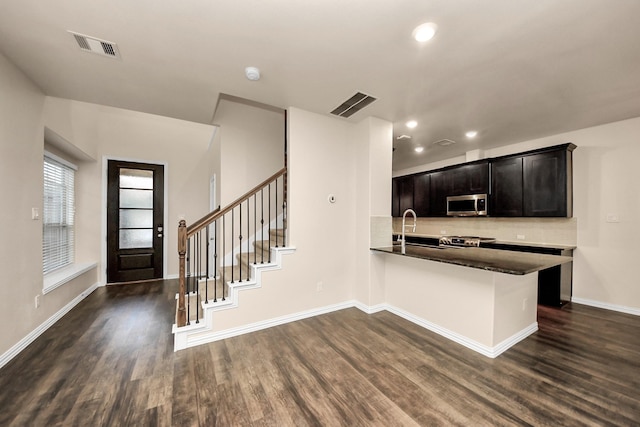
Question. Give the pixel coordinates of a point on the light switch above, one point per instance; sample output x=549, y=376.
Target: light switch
x=35, y=213
x=613, y=218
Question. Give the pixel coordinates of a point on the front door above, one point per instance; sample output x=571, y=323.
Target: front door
x=135, y=212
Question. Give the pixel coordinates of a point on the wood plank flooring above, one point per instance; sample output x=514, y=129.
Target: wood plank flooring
x=110, y=362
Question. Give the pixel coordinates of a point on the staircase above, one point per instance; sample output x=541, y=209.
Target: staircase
x=246, y=239
x=215, y=291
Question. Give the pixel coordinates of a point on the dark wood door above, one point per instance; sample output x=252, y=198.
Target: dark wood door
x=506, y=187
x=545, y=184
x=135, y=212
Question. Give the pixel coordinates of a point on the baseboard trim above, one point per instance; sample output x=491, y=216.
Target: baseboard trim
x=183, y=340
x=485, y=350
x=253, y=327
x=614, y=307
x=24, y=342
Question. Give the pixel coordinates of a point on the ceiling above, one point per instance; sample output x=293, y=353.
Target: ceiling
x=511, y=69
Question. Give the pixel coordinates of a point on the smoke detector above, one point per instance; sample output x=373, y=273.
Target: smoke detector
x=96, y=45
x=252, y=73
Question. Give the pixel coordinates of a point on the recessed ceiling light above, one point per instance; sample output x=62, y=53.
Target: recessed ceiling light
x=471, y=134
x=425, y=32
x=419, y=149
x=411, y=124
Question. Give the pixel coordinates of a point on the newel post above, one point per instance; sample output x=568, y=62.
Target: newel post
x=182, y=250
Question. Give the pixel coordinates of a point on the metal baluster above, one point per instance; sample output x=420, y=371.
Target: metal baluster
x=196, y=265
x=248, y=236
x=224, y=239
x=215, y=261
x=255, y=228
x=206, y=274
x=269, y=219
x=240, y=239
x=276, y=213
x=232, y=252
x=262, y=224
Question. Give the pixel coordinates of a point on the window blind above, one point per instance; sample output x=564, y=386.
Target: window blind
x=58, y=214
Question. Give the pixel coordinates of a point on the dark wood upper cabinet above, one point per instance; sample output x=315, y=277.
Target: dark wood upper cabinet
x=421, y=191
x=441, y=186
x=536, y=183
x=545, y=189
x=533, y=184
x=405, y=194
x=506, y=187
x=395, y=198
x=470, y=179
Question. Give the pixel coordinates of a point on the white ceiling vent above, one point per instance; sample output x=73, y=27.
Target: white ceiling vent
x=94, y=45
x=444, y=142
x=352, y=105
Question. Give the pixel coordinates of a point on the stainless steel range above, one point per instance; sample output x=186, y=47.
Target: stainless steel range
x=468, y=241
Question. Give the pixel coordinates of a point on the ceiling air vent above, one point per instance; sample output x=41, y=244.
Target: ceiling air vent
x=444, y=142
x=94, y=45
x=352, y=105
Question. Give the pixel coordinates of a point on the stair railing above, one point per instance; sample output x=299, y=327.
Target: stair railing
x=208, y=248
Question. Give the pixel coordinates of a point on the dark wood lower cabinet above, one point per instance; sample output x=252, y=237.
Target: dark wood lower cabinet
x=555, y=285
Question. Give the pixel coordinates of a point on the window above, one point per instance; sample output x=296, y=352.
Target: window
x=58, y=213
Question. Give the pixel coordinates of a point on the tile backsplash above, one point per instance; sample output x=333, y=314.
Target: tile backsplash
x=560, y=231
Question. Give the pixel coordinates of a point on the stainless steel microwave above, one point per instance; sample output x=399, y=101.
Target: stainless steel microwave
x=467, y=205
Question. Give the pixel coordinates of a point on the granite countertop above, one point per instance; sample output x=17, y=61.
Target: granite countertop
x=498, y=260
x=497, y=242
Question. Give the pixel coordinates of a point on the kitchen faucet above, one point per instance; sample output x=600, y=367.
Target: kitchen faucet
x=413, y=230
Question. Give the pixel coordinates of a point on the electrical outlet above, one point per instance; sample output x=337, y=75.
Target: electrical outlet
x=37, y=301
x=443, y=231
x=319, y=287
x=520, y=236
x=35, y=213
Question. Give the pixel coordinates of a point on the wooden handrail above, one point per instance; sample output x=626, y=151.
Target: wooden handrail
x=212, y=216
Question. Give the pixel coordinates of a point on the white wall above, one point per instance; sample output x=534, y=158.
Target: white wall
x=251, y=145
x=322, y=155
x=108, y=132
x=21, y=188
x=373, y=142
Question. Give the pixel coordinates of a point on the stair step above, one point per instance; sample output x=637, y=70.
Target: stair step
x=276, y=232
x=214, y=290
x=233, y=273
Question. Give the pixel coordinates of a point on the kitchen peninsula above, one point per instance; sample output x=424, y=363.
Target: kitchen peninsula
x=484, y=299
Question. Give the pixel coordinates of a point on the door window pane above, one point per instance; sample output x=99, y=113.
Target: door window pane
x=136, y=199
x=136, y=178
x=131, y=239
x=136, y=218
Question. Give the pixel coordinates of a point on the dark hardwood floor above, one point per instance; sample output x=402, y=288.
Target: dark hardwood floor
x=110, y=362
